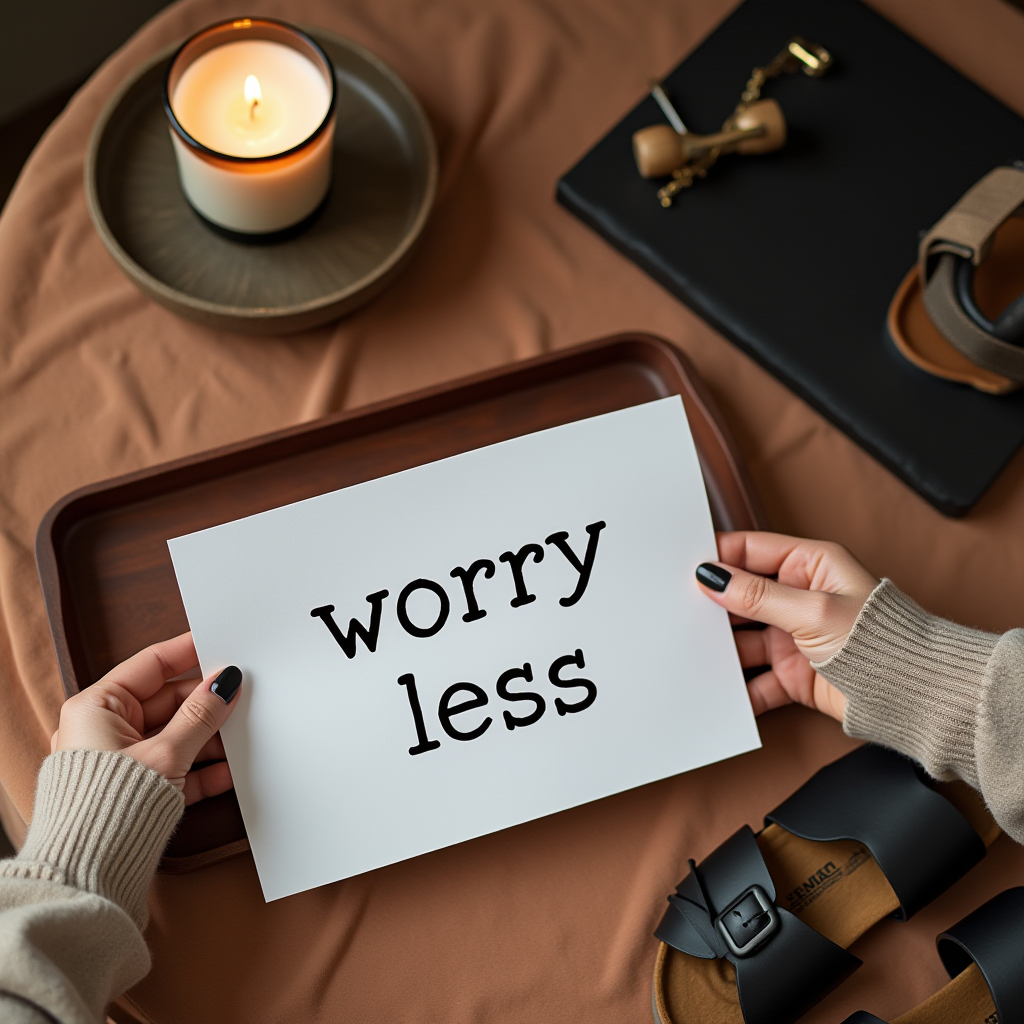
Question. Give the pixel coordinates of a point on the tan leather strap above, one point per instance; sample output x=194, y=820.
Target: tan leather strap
x=967, y=231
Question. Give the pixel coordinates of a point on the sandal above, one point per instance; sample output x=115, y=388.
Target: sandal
x=984, y=954
x=758, y=931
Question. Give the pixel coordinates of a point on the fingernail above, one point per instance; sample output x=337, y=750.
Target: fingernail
x=227, y=683
x=713, y=576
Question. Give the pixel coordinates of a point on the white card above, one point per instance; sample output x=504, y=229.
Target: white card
x=347, y=760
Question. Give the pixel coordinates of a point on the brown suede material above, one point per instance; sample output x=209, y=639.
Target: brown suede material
x=551, y=921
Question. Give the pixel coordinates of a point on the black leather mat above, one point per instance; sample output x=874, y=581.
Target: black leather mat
x=794, y=256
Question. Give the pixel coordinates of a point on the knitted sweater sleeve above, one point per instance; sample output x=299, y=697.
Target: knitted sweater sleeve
x=946, y=695
x=73, y=901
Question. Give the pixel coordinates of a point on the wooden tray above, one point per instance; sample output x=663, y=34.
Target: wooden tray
x=385, y=180
x=107, y=577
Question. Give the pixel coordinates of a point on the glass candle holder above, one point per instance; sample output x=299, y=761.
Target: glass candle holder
x=251, y=108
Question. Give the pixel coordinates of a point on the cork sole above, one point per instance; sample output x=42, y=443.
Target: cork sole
x=965, y=1000
x=836, y=887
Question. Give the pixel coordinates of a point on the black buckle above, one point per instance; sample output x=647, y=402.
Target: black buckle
x=748, y=922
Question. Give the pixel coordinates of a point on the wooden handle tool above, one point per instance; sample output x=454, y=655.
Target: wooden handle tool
x=759, y=128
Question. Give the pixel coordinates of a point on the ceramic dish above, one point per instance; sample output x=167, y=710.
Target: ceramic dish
x=385, y=180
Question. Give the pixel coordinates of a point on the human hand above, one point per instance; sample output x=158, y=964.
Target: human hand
x=167, y=726
x=809, y=611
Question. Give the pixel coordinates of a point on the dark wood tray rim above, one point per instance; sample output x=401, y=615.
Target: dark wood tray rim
x=203, y=466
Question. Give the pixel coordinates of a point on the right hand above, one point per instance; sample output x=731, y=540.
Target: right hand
x=809, y=610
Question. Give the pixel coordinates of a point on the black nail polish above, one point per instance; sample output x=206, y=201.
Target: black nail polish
x=714, y=577
x=227, y=683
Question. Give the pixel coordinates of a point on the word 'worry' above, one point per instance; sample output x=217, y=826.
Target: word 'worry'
x=516, y=562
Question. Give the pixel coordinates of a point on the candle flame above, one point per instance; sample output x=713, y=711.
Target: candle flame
x=253, y=93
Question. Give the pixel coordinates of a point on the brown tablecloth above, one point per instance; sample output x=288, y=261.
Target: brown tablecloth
x=551, y=921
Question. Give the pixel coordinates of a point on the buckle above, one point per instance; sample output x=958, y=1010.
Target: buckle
x=748, y=922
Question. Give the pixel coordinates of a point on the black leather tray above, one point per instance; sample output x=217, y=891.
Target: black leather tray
x=794, y=256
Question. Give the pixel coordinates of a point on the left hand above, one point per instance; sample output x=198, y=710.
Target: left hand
x=167, y=726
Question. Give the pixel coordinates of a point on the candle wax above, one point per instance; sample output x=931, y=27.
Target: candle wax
x=210, y=102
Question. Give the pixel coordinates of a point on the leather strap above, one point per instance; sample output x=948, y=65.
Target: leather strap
x=783, y=966
x=968, y=228
x=922, y=843
x=947, y=313
x=993, y=938
x=966, y=231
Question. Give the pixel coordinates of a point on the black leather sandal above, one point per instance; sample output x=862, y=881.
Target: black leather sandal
x=758, y=931
x=984, y=955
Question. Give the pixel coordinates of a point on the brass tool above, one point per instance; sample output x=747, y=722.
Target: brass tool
x=755, y=126
x=759, y=128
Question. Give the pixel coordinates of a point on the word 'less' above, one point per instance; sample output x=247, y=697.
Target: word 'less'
x=477, y=698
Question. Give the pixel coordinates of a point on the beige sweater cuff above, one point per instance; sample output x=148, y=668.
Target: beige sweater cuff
x=913, y=682
x=100, y=824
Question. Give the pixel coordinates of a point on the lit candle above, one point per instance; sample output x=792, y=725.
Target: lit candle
x=250, y=105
